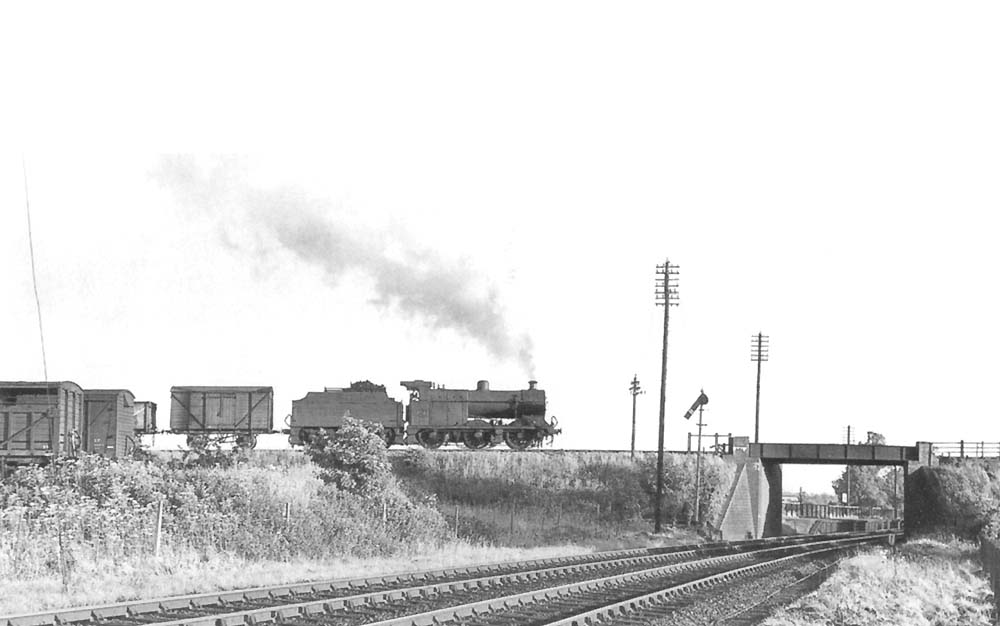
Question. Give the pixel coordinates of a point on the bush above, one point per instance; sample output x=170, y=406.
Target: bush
x=102, y=513
x=353, y=458
x=962, y=498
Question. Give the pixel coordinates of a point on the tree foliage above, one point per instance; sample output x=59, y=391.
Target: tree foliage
x=353, y=458
x=869, y=485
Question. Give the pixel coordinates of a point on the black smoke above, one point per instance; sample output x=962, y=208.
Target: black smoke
x=407, y=278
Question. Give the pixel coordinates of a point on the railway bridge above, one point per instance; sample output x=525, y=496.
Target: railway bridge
x=754, y=506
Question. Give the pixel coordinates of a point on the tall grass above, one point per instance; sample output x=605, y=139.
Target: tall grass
x=72, y=518
x=930, y=580
x=545, y=497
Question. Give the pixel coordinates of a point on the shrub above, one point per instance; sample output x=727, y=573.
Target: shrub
x=100, y=513
x=963, y=498
x=353, y=458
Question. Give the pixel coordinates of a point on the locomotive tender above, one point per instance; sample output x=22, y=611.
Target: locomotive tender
x=434, y=416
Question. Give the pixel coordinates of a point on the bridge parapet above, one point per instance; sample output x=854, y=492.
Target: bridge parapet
x=833, y=453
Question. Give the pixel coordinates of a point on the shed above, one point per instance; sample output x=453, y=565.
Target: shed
x=39, y=420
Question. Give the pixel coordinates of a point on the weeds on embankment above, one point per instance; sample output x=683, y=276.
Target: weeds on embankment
x=930, y=580
x=73, y=523
x=541, y=498
x=84, y=531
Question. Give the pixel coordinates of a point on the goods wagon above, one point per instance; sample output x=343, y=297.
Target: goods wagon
x=222, y=413
x=477, y=418
x=108, y=422
x=145, y=417
x=39, y=420
x=328, y=408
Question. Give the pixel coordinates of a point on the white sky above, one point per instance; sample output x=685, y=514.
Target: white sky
x=823, y=172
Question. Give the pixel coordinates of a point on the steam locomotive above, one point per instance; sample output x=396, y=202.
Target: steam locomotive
x=434, y=416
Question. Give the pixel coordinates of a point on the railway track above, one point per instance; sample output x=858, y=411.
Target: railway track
x=401, y=449
x=600, y=587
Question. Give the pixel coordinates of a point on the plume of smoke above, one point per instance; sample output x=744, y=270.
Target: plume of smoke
x=407, y=278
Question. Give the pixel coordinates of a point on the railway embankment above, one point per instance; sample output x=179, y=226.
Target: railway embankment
x=91, y=530
x=541, y=497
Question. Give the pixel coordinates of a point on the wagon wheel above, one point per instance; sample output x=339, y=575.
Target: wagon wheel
x=430, y=439
x=518, y=439
x=305, y=436
x=388, y=436
x=248, y=442
x=479, y=435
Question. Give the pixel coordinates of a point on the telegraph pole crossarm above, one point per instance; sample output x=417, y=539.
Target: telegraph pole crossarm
x=667, y=295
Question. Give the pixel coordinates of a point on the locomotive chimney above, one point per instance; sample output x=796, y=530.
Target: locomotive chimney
x=532, y=384
x=483, y=385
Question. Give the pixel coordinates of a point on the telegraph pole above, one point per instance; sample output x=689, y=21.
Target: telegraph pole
x=848, y=468
x=666, y=296
x=635, y=390
x=758, y=354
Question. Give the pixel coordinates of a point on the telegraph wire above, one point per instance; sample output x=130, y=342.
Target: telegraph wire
x=34, y=278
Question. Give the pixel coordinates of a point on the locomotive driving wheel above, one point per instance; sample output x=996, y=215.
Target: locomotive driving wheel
x=479, y=435
x=518, y=439
x=430, y=439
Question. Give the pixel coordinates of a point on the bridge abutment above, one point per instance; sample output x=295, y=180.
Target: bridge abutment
x=773, y=505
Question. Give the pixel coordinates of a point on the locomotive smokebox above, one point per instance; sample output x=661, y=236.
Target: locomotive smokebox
x=483, y=385
x=532, y=384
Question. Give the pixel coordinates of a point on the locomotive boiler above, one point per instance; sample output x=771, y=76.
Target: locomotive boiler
x=477, y=418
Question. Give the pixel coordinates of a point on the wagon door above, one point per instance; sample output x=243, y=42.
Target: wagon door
x=220, y=411
x=98, y=433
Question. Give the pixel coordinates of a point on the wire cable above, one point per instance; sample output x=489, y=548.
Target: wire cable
x=34, y=278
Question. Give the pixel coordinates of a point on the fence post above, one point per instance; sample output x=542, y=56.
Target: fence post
x=287, y=516
x=512, y=505
x=456, y=520
x=159, y=528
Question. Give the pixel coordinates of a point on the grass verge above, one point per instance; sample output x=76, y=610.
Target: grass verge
x=186, y=571
x=928, y=580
